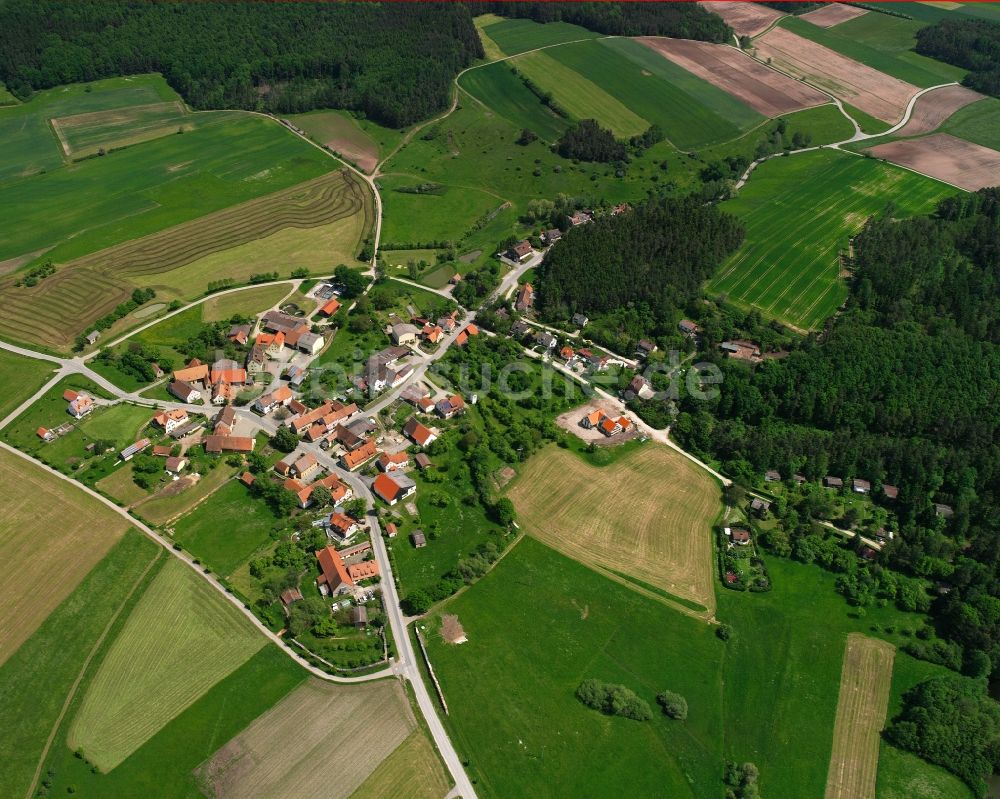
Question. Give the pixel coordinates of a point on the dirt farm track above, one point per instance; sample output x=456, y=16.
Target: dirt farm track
x=648, y=515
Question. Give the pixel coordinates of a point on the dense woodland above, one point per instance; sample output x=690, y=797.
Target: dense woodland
x=393, y=62
x=679, y=20
x=657, y=255
x=973, y=44
x=588, y=141
x=902, y=389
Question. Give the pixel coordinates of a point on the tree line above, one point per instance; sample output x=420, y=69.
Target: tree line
x=679, y=20
x=392, y=62
x=973, y=44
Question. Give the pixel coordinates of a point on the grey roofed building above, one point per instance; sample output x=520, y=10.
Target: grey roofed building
x=579, y=320
x=308, y=342
x=422, y=461
x=404, y=482
x=546, y=339
x=93, y=335
x=759, y=505
x=519, y=328
x=833, y=482
x=772, y=476
x=359, y=616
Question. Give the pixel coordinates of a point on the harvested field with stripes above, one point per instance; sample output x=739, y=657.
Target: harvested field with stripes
x=413, y=771
x=321, y=740
x=865, y=683
x=874, y=92
x=648, y=516
x=83, y=290
x=179, y=641
x=746, y=19
x=51, y=535
x=935, y=107
x=766, y=91
x=800, y=213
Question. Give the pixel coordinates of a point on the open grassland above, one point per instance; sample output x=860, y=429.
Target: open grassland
x=746, y=19
x=935, y=107
x=85, y=289
x=734, y=73
x=360, y=141
x=36, y=679
x=538, y=625
x=323, y=739
x=799, y=213
x=51, y=535
x=647, y=516
x=874, y=92
x=21, y=377
x=581, y=97
x=180, y=640
x=413, y=771
x=30, y=144
x=515, y=36
x=881, y=42
x=121, y=485
x=247, y=303
x=690, y=110
x=491, y=49
x=163, y=768
x=87, y=206
x=503, y=92
x=92, y=132
x=956, y=161
x=225, y=529
x=861, y=709
x=444, y=214
x=978, y=123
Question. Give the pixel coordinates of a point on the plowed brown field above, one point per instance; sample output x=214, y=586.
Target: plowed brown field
x=764, y=90
x=956, y=161
x=935, y=107
x=746, y=19
x=831, y=14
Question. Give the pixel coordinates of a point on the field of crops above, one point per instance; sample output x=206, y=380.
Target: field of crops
x=799, y=214
x=359, y=141
x=30, y=143
x=180, y=640
x=882, y=42
x=502, y=92
x=85, y=289
x=515, y=36
x=648, y=516
x=978, y=123
x=623, y=85
x=413, y=771
x=92, y=132
x=287, y=752
x=51, y=535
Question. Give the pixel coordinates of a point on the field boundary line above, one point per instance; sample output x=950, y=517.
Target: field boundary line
x=71, y=694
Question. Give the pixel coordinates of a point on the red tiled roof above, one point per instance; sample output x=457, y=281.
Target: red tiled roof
x=330, y=308
x=352, y=460
x=386, y=488
x=332, y=565
x=362, y=571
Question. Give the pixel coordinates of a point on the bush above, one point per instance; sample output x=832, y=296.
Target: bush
x=674, y=705
x=613, y=700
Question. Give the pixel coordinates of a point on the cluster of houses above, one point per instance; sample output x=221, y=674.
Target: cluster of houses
x=420, y=328
x=609, y=425
x=343, y=570
x=218, y=383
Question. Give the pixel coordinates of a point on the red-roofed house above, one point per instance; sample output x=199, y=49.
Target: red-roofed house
x=331, y=307
x=334, y=578
x=170, y=420
x=392, y=489
x=363, y=571
x=419, y=434
x=79, y=405
x=342, y=526
x=390, y=463
x=352, y=460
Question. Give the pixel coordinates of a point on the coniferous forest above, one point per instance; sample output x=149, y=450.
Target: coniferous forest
x=972, y=44
x=658, y=255
x=392, y=61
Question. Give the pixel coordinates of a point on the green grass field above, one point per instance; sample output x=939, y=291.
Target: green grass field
x=799, y=212
x=502, y=92
x=23, y=377
x=420, y=218
x=35, y=680
x=179, y=641
x=515, y=36
x=90, y=133
x=163, y=767
x=539, y=624
x=226, y=529
x=30, y=142
x=130, y=193
x=691, y=111
x=978, y=123
x=882, y=42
